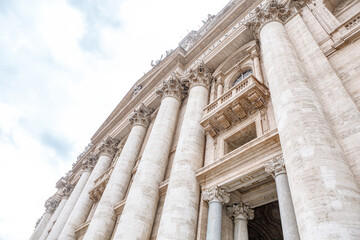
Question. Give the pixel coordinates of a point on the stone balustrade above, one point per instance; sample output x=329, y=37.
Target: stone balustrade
x=235, y=105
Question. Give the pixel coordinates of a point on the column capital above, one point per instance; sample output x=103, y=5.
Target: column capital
x=66, y=190
x=254, y=52
x=51, y=204
x=108, y=146
x=200, y=75
x=216, y=194
x=275, y=166
x=240, y=211
x=140, y=116
x=270, y=11
x=89, y=163
x=171, y=87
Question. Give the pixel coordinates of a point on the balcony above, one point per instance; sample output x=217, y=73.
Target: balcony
x=235, y=105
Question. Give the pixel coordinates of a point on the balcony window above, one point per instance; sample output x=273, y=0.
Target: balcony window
x=240, y=138
x=242, y=76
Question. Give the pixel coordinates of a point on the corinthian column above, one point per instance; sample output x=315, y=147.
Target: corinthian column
x=325, y=195
x=179, y=215
x=103, y=221
x=276, y=167
x=241, y=213
x=138, y=215
x=50, y=206
x=84, y=203
x=216, y=197
x=65, y=192
x=87, y=166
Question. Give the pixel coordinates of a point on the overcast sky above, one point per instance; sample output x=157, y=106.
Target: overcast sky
x=64, y=66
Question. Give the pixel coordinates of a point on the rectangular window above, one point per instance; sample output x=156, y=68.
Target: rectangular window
x=240, y=138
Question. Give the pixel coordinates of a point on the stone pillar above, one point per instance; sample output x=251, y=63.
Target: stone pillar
x=50, y=205
x=276, y=167
x=139, y=211
x=213, y=91
x=325, y=195
x=216, y=197
x=241, y=213
x=65, y=192
x=220, y=87
x=104, y=218
x=83, y=205
x=180, y=212
x=87, y=167
x=254, y=54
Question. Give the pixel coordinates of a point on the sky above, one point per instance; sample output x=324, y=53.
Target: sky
x=64, y=66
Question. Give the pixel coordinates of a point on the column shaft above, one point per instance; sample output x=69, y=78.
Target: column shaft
x=240, y=229
x=257, y=69
x=220, y=89
x=54, y=217
x=65, y=213
x=287, y=212
x=325, y=194
x=138, y=215
x=103, y=221
x=213, y=231
x=41, y=226
x=179, y=215
x=84, y=203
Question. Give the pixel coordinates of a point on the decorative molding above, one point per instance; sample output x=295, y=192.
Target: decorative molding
x=51, y=205
x=200, y=75
x=272, y=11
x=140, y=116
x=275, y=166
x=171, y=87
x=89, y=163
x=216, y=194
x=240, y=211
x=108, y=147
x=66, y=190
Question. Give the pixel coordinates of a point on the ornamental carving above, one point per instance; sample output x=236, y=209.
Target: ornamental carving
x=171, y=87
x=273, y=11
x=140, y=116
x=216, y=194
x=198, y=76
x=108, y=146
x=240, y=211
x=275, y=166
x=51, y=205
x=89, y=162
x=66, y=190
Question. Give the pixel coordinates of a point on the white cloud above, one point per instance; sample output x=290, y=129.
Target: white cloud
x=64, y=66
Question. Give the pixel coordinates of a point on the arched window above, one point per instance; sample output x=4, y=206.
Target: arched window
x=242, y=76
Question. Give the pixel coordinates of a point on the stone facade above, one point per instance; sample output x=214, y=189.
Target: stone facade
x=249, y=129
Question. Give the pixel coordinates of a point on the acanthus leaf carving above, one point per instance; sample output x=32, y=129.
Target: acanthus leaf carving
x=216, y=194
x=108, y=146
x=171, y=87
x=199, y=75
x=240, y=211
x=51, y=204
x=89, y=162
x=275, y=166
x=140, y=116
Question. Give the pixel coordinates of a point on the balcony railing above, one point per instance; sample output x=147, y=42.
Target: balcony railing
x=234, y=105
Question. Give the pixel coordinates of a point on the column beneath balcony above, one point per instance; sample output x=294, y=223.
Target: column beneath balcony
x=180, y=212
x=50, y=205
x=139, y=211
x=87, y=167
x=216, y=197
x=276, y=167
x=241, y=213
x=104, y=219
x=84, y=203
x=325, y=195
